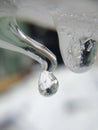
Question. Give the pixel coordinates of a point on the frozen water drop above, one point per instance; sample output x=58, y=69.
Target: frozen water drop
x=48, y=84
x=77, y=47
x=80, y=55
x=83, y=55
x=72, y=26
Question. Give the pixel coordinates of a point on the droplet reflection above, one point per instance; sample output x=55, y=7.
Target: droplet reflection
x=48, y=84
x=88, y=53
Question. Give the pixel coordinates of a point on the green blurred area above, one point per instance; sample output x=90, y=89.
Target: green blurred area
x=12, y=62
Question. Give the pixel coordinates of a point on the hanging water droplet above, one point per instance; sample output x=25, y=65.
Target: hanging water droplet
x=48, y=84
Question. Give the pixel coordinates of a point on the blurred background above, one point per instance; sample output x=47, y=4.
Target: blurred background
x=73, y=107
